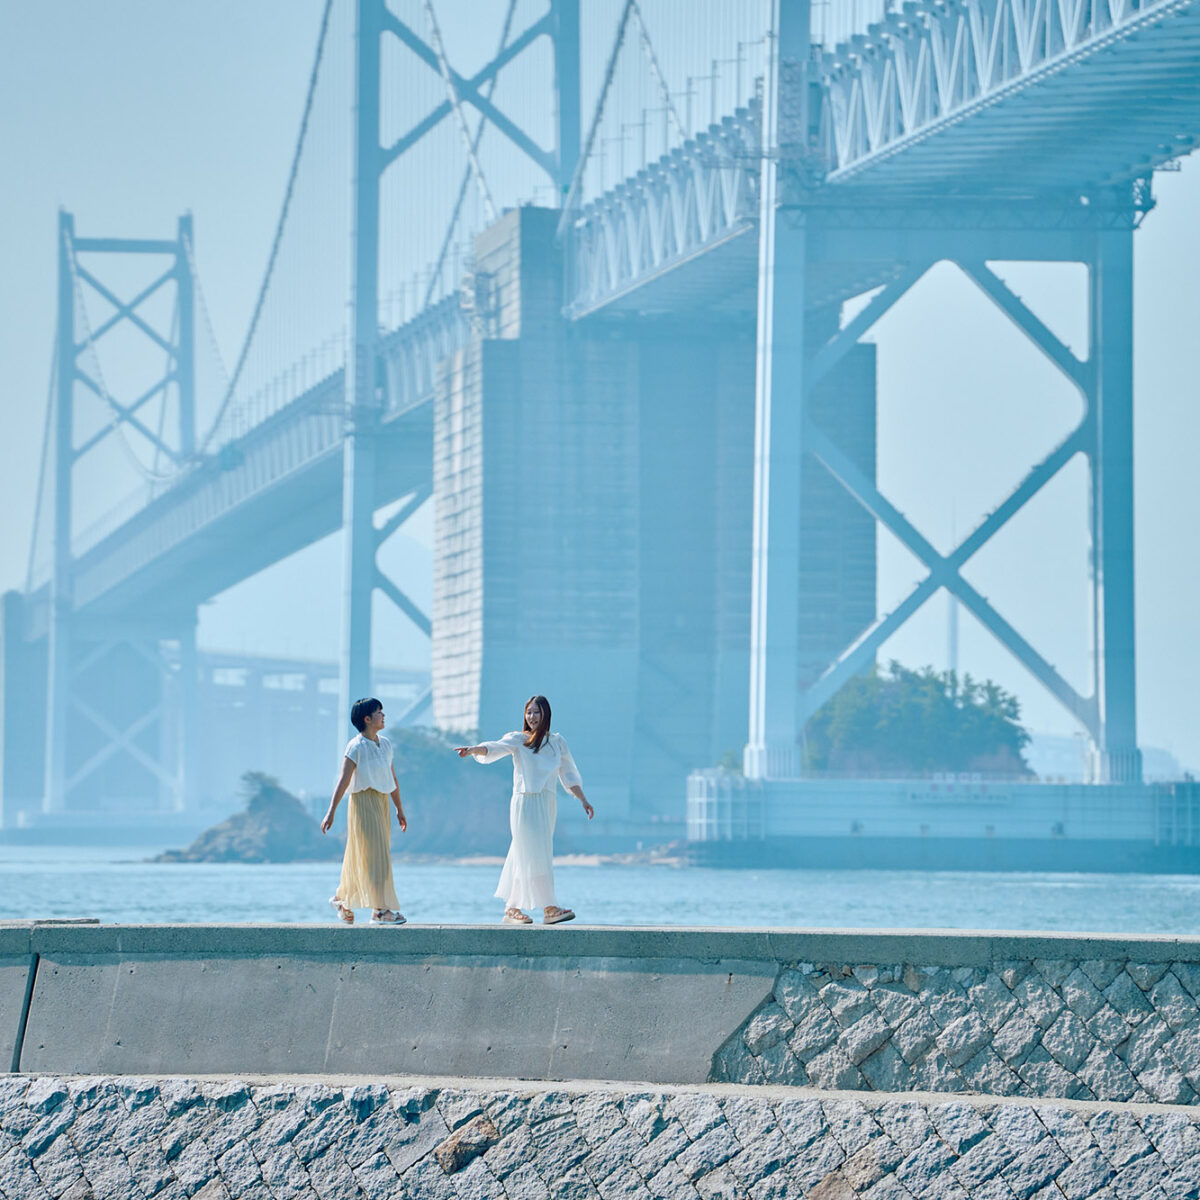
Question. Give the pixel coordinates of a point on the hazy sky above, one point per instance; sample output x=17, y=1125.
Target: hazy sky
x=131, y=112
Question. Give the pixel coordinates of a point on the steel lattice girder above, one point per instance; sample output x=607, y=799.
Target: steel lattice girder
x=685, y=204
x=997, y=93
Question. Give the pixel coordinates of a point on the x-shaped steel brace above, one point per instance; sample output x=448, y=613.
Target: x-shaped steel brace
x=945, y=570
x=125, y=414
x=118, y=740
x=382, y=581
x=125, y=312
x=467, y=91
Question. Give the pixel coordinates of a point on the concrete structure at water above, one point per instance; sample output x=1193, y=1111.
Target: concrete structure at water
x=593, y=540
x=673, y=341
x=218, y=1061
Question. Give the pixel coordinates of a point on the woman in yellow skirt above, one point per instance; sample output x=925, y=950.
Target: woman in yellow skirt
x=368, y=773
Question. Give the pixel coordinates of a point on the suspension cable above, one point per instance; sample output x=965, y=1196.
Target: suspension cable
x=656, y=70
x=456, y=104
x=208, y=325
x=37, y=504
x=283, y=215
x=609, y=71
x=436, y=274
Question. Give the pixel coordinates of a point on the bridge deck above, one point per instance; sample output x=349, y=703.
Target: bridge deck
x=677, y=240
x=1119, y=106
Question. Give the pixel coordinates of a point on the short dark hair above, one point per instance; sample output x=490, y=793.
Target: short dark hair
x=360, y=710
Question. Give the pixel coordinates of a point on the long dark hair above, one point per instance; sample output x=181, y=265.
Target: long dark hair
x=535, y=740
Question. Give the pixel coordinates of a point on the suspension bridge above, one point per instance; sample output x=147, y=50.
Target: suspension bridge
x=598, y=260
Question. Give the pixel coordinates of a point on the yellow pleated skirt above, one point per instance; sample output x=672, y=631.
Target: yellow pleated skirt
x=367, y=866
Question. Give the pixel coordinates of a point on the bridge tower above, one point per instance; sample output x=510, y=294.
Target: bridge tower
x=365, y=378
x=780, y=391
x=120, y=695
x=806, y=223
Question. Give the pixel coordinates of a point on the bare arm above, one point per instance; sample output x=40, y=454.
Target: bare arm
x=488, y=752
x=338, y=792
x=577, y=792
x=396, y=801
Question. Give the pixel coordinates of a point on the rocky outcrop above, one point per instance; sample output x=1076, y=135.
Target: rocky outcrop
x=275, y=827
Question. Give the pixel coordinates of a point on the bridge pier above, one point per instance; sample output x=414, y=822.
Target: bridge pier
x=1114, y=655
x=780, y=402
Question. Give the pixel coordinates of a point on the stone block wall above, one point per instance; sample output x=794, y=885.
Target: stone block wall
x=1099, y=1029
x=81, y=1138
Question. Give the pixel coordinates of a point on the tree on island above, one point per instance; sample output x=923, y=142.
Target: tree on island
x=917, y=722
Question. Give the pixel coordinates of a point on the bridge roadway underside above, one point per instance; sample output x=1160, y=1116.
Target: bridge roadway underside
x=280, y=492
x=860, y=238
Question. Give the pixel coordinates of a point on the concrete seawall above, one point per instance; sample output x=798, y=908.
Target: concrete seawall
x=231, y=1061
x=1077, y=1017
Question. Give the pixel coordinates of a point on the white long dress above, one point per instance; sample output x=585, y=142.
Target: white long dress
x=527, y=880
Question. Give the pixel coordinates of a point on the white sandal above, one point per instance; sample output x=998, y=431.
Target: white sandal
x=556, y=916
x=514, y=916
x=346, y=914
x=386, y=916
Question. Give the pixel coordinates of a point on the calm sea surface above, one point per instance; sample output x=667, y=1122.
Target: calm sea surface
x=119, y=885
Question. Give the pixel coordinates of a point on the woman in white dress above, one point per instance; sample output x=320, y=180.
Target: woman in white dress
x=540, y=760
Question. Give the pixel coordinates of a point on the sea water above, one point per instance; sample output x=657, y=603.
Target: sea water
x=116, y=885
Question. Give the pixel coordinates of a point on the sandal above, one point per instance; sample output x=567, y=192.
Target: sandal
x=346, y=914
x=555, y=916
x=514, y=916
x=385, y=916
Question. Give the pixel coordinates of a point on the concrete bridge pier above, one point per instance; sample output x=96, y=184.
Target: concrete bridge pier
x=772, y=749
x=1114, y=656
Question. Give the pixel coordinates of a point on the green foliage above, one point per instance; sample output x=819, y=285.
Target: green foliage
x=731, y=761
x=916, y=722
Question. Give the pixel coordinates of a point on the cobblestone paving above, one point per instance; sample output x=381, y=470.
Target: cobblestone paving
x=172, y=1138
x=1100, y=1030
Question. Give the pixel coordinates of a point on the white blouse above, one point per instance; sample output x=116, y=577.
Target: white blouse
x=535, y=772
x=372, y=764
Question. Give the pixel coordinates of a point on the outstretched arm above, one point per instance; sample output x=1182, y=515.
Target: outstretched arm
x=338, y=792
x=489, y=752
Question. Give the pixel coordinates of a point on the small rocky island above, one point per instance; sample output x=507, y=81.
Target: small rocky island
x=275, y=827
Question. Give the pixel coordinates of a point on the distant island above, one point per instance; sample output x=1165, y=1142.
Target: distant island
x=453, y=809
x=275, y=827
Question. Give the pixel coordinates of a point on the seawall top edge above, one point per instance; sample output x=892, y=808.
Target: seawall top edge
x=949, y=947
